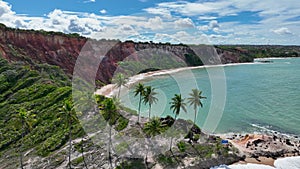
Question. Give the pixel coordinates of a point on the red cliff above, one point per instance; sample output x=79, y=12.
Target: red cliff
x=62, y=50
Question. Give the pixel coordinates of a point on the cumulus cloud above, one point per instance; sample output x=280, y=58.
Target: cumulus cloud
x=159, y=11
x=155, y=23
x=103, y=11
x=5, y=8
x=184, y=23
x=76, y=26
x=161, y=19
x=213, y=24
x=203, y=28
x=282, y=31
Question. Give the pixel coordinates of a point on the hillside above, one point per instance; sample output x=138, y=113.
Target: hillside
x=62, y=50
x=35, y=74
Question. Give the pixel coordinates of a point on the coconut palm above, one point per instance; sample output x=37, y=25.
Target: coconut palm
x=151, y=129
x=117, y=102
x=120, y=80
x=139, y=90
x=109, y=108
x=70, y=117
x=195, y=100
x=176, y=105
x=24, y=119
x=149, y=97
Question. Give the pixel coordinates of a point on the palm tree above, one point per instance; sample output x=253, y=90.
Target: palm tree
x=149, y=97
x=25, y=119
x=70, y=116
x=109, y=108
x=151, y=129
x=195, y=100
x=120, y=81
x=176, y=105
x=139, y=90
x=117, y=102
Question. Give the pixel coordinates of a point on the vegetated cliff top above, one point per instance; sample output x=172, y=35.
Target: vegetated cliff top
x=56, y=48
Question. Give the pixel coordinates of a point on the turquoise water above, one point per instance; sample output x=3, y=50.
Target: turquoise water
x=260, y=97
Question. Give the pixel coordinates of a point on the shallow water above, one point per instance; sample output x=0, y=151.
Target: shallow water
x=259, y=97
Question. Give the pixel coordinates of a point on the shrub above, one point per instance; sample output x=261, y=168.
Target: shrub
x=181, y=146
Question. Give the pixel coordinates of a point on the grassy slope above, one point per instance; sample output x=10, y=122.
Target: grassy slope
x=40, y=89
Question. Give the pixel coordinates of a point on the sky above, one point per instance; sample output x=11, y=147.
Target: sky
x=189, y=22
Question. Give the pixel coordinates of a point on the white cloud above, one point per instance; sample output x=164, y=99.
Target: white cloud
x=5, y=8
x=159, y=11
x=89, y=1
x=184, y=23
x=213, y=24
x=186, y=8
x=155, y=23
x=172, y=21
x=103, y=11
x=207, y=17
x=282, y=31
x=203, y=28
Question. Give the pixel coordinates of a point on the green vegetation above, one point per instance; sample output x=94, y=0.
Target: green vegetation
x=43, y=32
x=195, y=100
x=248, y=52
x=120, y=80
x=131, y=164
x=109, y=109
x=176, y=105
x=153, y=127
x=181, y=146
x=149, y=61
x=139, y=90
x=40, y=89
x=149, y=97
x=25, y=120
x=69, y=115
x=193, y=60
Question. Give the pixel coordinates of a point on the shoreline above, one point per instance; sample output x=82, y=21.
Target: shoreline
x=109, y=89
x=254, y=156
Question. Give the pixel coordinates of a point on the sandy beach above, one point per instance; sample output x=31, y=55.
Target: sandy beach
x=110, y=89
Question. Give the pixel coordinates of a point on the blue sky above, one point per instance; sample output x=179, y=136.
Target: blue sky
x=191, y=22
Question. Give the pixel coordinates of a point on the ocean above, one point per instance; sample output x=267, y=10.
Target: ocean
x=241, y=98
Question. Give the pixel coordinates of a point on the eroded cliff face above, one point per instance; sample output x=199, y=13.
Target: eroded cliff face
x=63, y=51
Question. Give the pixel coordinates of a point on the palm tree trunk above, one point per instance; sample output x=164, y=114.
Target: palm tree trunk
x=109, y=148
x=84, y=162
x=139, y=108
x=119, y=91
x=171, y=136
x=149, y=111
x=70, y=143
x=195, y=116
x=20, y=150
x=146, y=159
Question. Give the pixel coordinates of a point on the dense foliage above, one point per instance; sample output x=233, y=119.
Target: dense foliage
x=40, y=90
